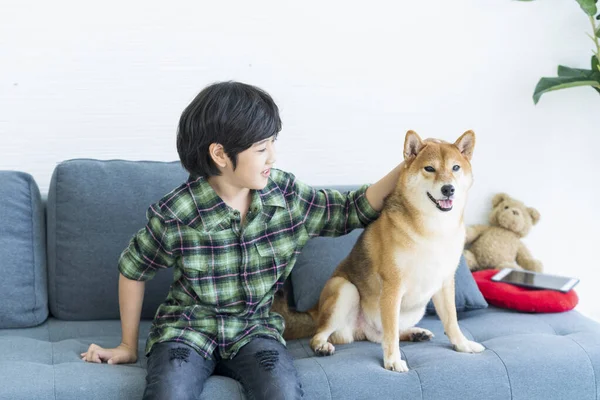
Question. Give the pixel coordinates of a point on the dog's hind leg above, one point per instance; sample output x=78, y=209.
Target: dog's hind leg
x=338, y=312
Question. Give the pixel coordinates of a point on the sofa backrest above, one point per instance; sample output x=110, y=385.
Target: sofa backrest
x=94, y=208
x=69, y=262
x=23, y=289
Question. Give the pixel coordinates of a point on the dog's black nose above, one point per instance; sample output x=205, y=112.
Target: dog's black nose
x=447, y=190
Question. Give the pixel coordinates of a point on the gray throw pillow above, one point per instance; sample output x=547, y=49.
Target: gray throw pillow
x=321, y=255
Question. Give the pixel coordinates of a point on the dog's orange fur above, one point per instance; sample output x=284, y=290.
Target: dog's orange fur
x=404, y=258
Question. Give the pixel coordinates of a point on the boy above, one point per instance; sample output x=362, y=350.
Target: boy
x=232, y=232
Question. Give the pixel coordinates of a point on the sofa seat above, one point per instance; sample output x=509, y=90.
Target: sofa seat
x=528, y=356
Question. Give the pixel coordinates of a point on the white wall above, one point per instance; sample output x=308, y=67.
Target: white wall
x=110, y=80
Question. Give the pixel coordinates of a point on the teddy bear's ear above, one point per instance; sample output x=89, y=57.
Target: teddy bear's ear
x=499, y=198
x=535, y=215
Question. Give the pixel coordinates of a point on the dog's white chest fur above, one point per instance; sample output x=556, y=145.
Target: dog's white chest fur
x=425, y=266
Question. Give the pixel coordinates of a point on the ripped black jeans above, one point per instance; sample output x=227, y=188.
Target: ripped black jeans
x=264, y=367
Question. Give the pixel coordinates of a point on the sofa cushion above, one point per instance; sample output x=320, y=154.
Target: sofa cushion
x=467, y=295
x=321, y=255
x=23, y=288
x=520, y=361
x=524, y=299
x=315, y=264
x=560, y=353
x=94, y=208
x=44, y=363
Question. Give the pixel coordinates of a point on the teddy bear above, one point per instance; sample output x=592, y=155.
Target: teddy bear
x=499, y=245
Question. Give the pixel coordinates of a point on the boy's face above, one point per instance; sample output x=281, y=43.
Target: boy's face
x=253, y=165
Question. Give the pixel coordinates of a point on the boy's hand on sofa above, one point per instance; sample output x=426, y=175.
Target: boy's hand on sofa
x=121, y=354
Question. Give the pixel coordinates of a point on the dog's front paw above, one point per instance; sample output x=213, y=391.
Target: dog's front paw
x=324, y=349
x=469, y=346
x=395, y=364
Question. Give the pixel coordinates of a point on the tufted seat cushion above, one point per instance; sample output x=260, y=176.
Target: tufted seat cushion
x=528, y=356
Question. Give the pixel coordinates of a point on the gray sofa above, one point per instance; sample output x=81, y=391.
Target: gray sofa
x=58, y=294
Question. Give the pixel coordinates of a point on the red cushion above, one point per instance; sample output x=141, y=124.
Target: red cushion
x=506, y=295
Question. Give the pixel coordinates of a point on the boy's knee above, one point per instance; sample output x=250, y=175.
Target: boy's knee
x=181, y=354
x=267, y=359
x=175, y=372
x=283, y=382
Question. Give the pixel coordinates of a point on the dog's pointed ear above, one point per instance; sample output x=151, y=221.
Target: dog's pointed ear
x=412, y=145
x=466, y=144
x=535, y=215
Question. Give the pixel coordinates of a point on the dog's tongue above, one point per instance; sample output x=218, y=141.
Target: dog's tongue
x=445, y=203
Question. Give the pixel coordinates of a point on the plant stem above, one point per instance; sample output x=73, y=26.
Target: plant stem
x=593, y=21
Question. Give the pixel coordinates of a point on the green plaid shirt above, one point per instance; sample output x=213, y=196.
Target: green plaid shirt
x=225, y=272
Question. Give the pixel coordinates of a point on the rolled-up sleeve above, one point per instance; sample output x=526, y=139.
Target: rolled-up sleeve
x=148, y=250
x=328, y=212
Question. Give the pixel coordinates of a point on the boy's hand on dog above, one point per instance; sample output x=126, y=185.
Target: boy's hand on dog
x=121, y=354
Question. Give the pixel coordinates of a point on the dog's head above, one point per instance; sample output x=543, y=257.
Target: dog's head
x=437, y=175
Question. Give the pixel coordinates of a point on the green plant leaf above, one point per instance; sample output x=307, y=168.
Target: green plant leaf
x=591, y=74
x=588, y=6
x=546, y=85
x=574, y=72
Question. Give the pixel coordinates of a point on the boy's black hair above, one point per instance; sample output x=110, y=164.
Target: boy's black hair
x=233, y=114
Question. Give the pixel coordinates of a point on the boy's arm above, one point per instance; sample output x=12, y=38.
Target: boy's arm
x=377, y=192
x=149, y=250
x=331, y=213
x=131, y=297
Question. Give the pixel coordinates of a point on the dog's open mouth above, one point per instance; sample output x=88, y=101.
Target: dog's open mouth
x=443, y=204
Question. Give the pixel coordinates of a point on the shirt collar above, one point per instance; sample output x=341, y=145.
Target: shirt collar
x=212, y=210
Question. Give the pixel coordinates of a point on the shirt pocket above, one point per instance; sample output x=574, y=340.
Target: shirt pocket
x=275, y=253
x=213, y=281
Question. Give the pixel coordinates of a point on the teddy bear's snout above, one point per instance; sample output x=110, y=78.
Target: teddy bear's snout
x=515, y=212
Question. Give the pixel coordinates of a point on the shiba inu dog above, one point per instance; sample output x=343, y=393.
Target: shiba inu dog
x=403, y=259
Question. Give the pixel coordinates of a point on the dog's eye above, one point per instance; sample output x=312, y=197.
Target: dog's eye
x=429, y=169
x=506, y=207
x=456, y=168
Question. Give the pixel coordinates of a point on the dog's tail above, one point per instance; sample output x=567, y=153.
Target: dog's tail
x=298, y=325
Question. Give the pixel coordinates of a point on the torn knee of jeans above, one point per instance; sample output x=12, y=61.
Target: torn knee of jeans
x=179, y=353
x=267, y=359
